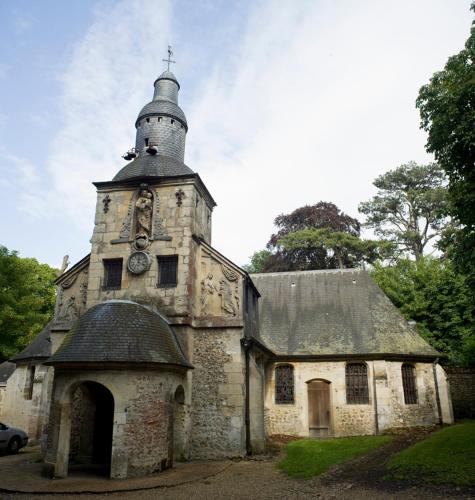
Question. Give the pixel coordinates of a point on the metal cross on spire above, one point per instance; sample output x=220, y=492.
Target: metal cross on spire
x=169, y=60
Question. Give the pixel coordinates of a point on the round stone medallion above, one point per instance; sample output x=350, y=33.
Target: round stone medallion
x=139, y=262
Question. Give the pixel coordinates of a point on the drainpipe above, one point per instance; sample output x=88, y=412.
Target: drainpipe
x=437, y=395
x=247, y=344
x=375, y=400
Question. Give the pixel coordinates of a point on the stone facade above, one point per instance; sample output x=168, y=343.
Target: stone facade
x=150, y=370
x=217, y=394
x=142, y=426
x=462, y=390
x=26, y=399
x=385, y=409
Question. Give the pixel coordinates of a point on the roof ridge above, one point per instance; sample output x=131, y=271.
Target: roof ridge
x=311, y=271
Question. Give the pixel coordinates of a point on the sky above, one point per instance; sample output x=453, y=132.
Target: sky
x=288, y=103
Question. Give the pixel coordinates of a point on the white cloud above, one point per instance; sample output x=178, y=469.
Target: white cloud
x=317, y=101
x=21, y=175
x=22, y=22
x=109, y=79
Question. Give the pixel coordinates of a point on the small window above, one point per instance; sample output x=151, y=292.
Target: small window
x=167, y=270
x=284, y=384
x=356, y=384
x=159, y=118
x=409, y=384
x=147, y=120
x=30, y=380
x=172, y=121
x=112, y=274
x=146, y=141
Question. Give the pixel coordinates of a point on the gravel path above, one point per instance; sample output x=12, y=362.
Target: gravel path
x=261, y=479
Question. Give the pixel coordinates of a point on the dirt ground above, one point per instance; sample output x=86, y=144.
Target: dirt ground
x=362, y=478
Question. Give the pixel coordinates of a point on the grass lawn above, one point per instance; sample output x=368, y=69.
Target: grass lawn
x=310, y=457
x=448, y=456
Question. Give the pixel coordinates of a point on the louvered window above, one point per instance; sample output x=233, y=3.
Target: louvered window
x=112, y=274
x=167, y=270
x=409, y=384
x=284, y=384
x=357, y=384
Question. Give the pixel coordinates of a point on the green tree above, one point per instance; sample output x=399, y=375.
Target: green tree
x=318, y=236
x=258, y=261
x=431, y=292
x=410, y=206
x=27, y=298
x=447, y=109
x=327, y=249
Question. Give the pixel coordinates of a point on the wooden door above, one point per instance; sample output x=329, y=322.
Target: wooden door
x=319, y=421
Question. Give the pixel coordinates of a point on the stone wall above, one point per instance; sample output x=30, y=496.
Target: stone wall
x=384, y=388
x=218, y=394
x=19, y=410
x=142, y=436
x=462, y=389
x=256, y=403
x=178, y=220
x=3, y=392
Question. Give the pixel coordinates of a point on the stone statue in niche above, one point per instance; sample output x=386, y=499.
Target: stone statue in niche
x=144, y=208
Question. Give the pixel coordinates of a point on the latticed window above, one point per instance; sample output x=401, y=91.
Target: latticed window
x=284, y=384
x=357, y=384
x=167, y=270
x=409, y=384
x=112, y=274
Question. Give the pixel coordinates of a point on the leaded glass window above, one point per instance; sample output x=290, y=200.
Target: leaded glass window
x=357, y=384
x=284, y=384
x=409, y=384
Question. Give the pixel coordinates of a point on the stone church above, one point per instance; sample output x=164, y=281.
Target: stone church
x=162, y=349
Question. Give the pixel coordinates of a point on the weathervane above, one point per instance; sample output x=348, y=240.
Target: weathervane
x=169, y=60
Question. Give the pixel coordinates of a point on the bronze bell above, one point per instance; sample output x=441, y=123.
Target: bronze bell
x=152, y=150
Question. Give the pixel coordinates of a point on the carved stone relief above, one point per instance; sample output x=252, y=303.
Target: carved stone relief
x=219, y=289
x=83, y=288
x=158, y=229
x=127, y=224
x=179, y=195
x=106, y=200
x=71, y=300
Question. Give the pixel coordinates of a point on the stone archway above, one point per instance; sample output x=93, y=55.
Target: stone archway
x=179, y=424
x=319, y=408
x=91, y=427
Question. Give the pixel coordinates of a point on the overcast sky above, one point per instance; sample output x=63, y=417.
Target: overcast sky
x=288, y=103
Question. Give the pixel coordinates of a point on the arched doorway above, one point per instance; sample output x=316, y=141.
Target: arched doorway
x=92, y=418
x=179, y=416
x=319, y=409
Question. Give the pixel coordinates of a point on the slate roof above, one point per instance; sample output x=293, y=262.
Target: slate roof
x=40, y=348
x=336, y=312
x=163, y=107
x=120, y=331
x=146, y=165
x=167, y=75
x=6, y=369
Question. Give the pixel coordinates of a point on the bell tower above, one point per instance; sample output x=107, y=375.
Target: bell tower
x=150, y=215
